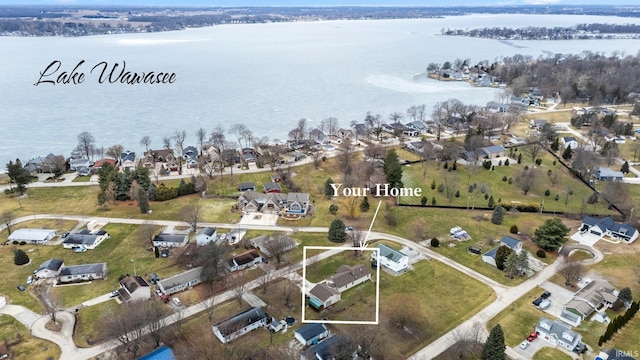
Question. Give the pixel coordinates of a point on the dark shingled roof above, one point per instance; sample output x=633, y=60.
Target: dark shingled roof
x=239, y=321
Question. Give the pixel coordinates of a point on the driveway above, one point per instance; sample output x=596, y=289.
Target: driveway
x=258, y=219
x=560, y=296
x=586, y=238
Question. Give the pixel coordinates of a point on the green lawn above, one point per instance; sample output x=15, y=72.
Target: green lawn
x=82, y=178
x=88, y=328
x=519, y=319
x=547, y=353
x=27, y=346
x=325, y=268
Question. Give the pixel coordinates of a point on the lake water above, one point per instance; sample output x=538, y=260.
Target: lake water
x=266, y=76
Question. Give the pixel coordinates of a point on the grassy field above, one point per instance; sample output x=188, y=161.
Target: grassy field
x=325, y=268
x=88, y=330
x=24, y=345
x=547, y=353
x=491, y=183
x=519, y=319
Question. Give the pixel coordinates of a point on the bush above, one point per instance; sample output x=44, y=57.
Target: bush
x=446, y=165
x=433, y=184
x=510, y=181
x=504, y=178
x=557, y=197
x=547, y=192
x=541, y=254
x=454, y=167
x=506, y=162
x=441, y=187
x=435, y=242
x=526, y=167
x=20, y=257
x=538, y=161
x=423, y=201
x=513, y=229
x=457, y=193
x=500, y=163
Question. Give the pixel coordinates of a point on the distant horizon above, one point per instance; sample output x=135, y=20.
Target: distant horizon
x=316, y=3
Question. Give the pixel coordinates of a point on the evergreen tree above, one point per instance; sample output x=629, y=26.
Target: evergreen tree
x=328, y=189
x=337, y=233
x=433, y=201
x=520, y=158
x=492, y=203
x=555, y=145
x=567, y=153
x=392, y=169
x=551, y=235
x=498, y=215
x=143, y=201
x=433, y=184
x=20, y=257
x=364, y=205
x=156, y=251
x=18, y=175
x=511, y=265
x=625, y=295
x=424, y=200
x=506, y=162
x=333, y=209
x=625, y=168
x=494, y=348
x=502, y=254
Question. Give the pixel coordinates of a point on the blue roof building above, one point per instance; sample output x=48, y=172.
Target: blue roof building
x=161, y=353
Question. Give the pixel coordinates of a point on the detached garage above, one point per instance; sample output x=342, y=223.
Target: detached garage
x=34, y=236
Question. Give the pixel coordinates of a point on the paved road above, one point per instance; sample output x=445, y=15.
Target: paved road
x=505, y=295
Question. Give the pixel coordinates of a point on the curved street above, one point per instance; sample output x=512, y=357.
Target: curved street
x=505, y=295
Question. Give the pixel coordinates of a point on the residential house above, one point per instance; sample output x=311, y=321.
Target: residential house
x=496, y=107
x=520, y=101
x=240, y=324
x=164, y=156
x=494, y=151
x=262, y=243
x=537, y=124
x=274, y=203
x=311, y=334
x=206, y=236
x=347, y=277
x=248, y=157
x=471, y=155
x=133, y=288
x=85, y=240
x=162, y=353
x=558, y=334
x=49, y=269
x=418, y=126
x=606, y=174
x=190, y=156
x=272, y=187
x=74, y=164
x=490, y=256
x=128, y=160
x=182, y=281
x=322, y=296
x=318, y=136
x=514, y=140
x=567, y=141
x=608, y=227
x=243, y=261
x=86, y=272
x=170, y=240
x=598, y=295
x=34, y=236
x=100, y=163
x=326, y=349
x=391, y=258
x=360, y=129
x=248, y=186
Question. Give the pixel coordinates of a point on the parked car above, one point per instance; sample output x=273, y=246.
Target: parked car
x=223, y=237
x=114, y=294
x=21, y=288
x=165, y=298
x=537, y=302
x=532, y=336
x=30, y=280
x=158, y=292
x=545, y=295
x=524, y=344
x=348, y=228
x=544, y=305
x=177, y=301
x=65, y=235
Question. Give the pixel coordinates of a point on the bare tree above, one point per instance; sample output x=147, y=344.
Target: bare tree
x=146, y=231
x=7, y=219
x=278, y=245
x=192, y=215
x=210, y=257
x=115, y=151
x=239, y=284
x=404, y=316
x=201, y=135
x=585, y=162
x=468, y=341
x=395, y=117
x=266, y=279
x=357, y=240
x=331, y=125
x=132, y=320
x=179, y=137
x=368, y=340
x=554, y=177
x=146, y=142
x=166, y=142
x=86, y=143
x=534, y=146
x=218, y=142
x=450, y=180
x=571, y=269
x=208, y=305
x=316, y=156
x=287, y=291
x=526, y=179
x=156, y=316
x=238, y=131
x=346, y=155
x=351, y=204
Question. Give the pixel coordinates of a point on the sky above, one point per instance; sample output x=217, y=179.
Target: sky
x=318, y=2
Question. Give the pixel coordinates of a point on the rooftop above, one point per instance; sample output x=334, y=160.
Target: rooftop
x=98, y=268
x=181, y=278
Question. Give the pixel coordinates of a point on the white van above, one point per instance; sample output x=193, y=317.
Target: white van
x=177, y=301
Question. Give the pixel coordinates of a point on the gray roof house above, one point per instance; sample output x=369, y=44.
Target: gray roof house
x=49, y=269
x=604, y=174
x=134, y=288
x=128, y=160
x=182, y=281
x=240, y=324
x=608, y=227
x=275, y=203
x=490, y=256
x=598, y=294
x=262, y=243
x=347, y=277
x=493, y=151
x=311, y=334
x=246, y=186
x=206, y=235
x=85, y=240
x=391, y=258
x=326, y=349
x=170, y=240
x=323, y=296
x=558, y=334
x=243, y=261
x=86, y=272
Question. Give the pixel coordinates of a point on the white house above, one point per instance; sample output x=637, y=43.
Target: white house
x=567, y=141
x=240, y=324
x=206, y=236
x=608, y=227
x=558, y=334
x=182, y=281
x=391, y=258
x=243, y=261
x=85, y=240
x=490, y=256
x=134, y=288
x=323, y=296
x=34, y=236
x=598, y=295
x=169, y=240
x=49, y=269
x=347, y=277
x=311, y=334
x=86, y=272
